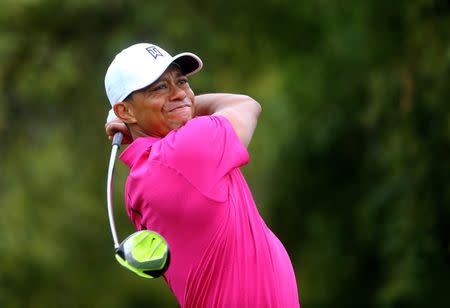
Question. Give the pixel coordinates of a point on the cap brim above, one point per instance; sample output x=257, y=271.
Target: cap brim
x=188, y=62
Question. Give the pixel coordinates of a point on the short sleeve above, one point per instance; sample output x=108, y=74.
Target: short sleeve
x=205, y=151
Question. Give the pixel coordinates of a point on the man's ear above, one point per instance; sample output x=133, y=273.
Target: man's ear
x=124, y=112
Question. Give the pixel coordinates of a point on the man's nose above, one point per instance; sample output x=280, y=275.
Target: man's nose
x=177, y=93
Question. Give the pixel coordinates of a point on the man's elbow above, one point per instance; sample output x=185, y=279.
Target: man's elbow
x=256, y=107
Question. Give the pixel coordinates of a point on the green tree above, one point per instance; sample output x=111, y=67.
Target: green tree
x=349, y=163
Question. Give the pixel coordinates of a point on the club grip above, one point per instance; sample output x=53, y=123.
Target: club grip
x=117, y=139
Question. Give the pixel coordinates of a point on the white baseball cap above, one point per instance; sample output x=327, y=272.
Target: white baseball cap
x=140, y=65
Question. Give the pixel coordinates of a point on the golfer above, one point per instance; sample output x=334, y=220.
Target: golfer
x=185, y=182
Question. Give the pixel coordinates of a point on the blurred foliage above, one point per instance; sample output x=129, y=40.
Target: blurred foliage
x=350, y=162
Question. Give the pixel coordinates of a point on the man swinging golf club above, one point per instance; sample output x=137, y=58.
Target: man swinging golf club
x=185, y=183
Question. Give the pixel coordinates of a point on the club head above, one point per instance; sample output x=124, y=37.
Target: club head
x=145, y=253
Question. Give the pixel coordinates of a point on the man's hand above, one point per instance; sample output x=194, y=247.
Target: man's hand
x=115, y=126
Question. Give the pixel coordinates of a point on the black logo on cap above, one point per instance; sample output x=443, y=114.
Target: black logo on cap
x=154, y=52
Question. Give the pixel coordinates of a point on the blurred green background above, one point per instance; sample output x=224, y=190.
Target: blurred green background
x=350, y=162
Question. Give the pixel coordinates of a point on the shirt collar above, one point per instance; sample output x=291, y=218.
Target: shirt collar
x=135, y=149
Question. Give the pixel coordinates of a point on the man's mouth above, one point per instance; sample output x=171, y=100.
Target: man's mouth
x=177, y=107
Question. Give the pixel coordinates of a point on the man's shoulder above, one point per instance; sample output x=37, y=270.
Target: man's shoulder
x=199, y=131
x=200, y=128
x=207, y=120
x=136, y=149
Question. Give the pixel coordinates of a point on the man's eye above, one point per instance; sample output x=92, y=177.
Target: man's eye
x=159, y=87
x=183, y=81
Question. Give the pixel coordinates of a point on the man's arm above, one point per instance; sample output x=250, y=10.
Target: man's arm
x=242, y=111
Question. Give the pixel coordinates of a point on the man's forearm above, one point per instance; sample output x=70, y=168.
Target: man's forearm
x=208, y=104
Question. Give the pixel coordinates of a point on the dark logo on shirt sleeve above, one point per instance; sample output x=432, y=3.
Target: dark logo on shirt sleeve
x=154, y=52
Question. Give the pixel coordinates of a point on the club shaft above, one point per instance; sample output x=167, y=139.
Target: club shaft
x=109, y=187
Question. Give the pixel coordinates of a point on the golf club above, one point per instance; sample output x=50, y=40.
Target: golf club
x=145, y=252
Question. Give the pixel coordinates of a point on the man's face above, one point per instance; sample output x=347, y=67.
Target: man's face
x=163, y=106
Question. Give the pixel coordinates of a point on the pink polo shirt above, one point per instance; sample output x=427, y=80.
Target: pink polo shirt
x=188, y=187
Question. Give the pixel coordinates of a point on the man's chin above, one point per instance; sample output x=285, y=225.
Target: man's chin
x=180, y=122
